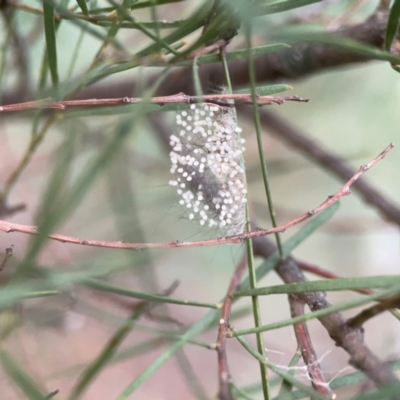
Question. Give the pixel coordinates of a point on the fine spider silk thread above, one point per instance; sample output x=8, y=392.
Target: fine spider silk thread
x=207, y=167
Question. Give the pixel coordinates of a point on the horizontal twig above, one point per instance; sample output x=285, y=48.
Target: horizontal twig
x=219, y=99
x=9, y=227
x=298, y=61
x=102, y=20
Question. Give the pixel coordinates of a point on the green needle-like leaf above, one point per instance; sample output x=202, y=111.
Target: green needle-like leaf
x=282, y=6
x=284, y=375
x=393, y=24
x=21, y=378
x=363, y=282
x=266, y=90
x=274, y=259
x=83, y=6
x=213, y=315
x=325, y=311
x=105, y=287
x=236, y=55
x=50, y=35
x=106, y=354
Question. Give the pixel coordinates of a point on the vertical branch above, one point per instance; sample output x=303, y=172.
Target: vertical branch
x=307, y=349
x=250, y=261
x=349, y=338
x=223, y=370
x=196, y=78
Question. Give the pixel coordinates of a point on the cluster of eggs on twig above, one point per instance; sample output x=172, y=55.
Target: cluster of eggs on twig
x=207, y=167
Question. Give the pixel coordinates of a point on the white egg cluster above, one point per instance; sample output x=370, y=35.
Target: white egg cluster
x=207, y=167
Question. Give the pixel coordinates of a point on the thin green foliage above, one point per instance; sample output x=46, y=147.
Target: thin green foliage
x=50, y=218
x=105, y=287
x=192, y=23
x=286, y=387
x=94, y=31
x=257, y=125
x=51, y=47
x=4, y=52
x=83, y=6
x=395, y=289
x=236, y=55
x=393, y=24
x=212, y=316
x=266, y=90
x=107, y=353
x=68, y=187
x=348, y=380
x=74, y=57
x=20, y=377
x=152, y=3
x=282, y=6
x=154, y=17
x=356, y=377
x=362, y=282
x=256, y=310
x=251, y=265
x=284, y=375
x=194, y=330
x=155, y=38
x=387, y=392
x=274, y=259
x=301, y=34
x=239, y=393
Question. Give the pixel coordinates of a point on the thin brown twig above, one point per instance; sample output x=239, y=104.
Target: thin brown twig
x=218, y=99
x=9, y=227
x=10, y=210
x=219, y=44
x=223, y=370
x=302, y=59
x=307, y=349
x=102, y=20
x=285, y=131
x=9, y=253
x=349, y=338
x=373, y=311
x=299, y=61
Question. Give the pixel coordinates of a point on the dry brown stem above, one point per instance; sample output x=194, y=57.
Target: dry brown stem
x=307, y=349
x=223, y=370
x=218, y=99
x=9, y=252
x=9, y=227
x=371, y=312
x=351, y=339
